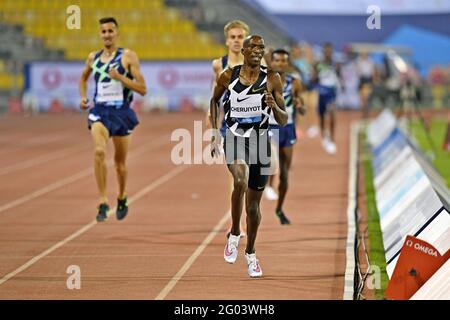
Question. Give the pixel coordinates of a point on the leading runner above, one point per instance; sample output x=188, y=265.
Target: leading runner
x=254, y=93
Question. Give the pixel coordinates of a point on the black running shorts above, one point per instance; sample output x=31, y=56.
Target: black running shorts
x=255, y=151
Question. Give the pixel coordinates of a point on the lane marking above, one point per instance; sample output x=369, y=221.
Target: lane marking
x=190, y=261
x=34, y=142
x=171, y=174
x=82, y=174
x=42, y=159
x=349, y=281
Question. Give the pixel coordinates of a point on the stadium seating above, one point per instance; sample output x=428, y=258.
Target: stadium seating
x=153, y=30
x=8, y=80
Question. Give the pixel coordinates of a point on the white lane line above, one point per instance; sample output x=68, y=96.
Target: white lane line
x=84, y=173
x=171, y=174
x=34, y=142
x=349, y=281
x=42, y=159
x=47, y=252
x=190, y=261
x=46, y=189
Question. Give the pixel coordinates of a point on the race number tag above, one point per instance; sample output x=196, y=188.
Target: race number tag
x=246, y=107
x=328, y=78
x=110, y=91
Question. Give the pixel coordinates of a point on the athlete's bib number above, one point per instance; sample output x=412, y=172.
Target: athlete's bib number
x=110, y=91
x=328, y=78
x=246, y=107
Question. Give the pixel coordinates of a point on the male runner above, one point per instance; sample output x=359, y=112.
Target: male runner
x=302, y=57
x=246, y=145
x=285, y=137
x=235, y=32
x=117, y=74
x=366, y=69
x=326, y=75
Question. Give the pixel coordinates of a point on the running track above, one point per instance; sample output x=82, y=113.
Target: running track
x=171, y=244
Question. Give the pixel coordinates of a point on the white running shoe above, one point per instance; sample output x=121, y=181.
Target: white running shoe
x=270, y=194
x=242, y=235
x=329, y=146
x=231, y=249
x=312, y=131
x=325, y=142
x=332, y=149
x=254, y=269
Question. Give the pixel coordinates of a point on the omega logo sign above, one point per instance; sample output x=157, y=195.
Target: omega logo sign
x=419, y=247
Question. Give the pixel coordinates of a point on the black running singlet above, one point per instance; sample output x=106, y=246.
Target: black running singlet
x=245, y=109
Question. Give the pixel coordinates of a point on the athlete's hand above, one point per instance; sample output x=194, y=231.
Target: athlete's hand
x=208, y=121
x=301, y=110
x=269, y=99
x=114, y=74
x=215, y=145
x=298, y=103
x=84, y=104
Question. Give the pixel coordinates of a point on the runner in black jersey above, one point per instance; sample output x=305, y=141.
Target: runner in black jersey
x=254, y=93
x=117, y=74
x=235, y=32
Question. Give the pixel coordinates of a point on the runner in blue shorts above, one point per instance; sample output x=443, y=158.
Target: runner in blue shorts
x=326, y=76
x=117, y=74
x=285, y=137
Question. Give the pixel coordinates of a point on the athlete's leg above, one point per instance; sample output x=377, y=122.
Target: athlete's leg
x=322, y=114
x=331, y=111
x=330, y=116
x=322, y=121
x=239, y=170
x=285, y=165
x=274, y=163
x=313, y=98
x=231, y=184
x=253, y=199
x=271, y=179
x=364, y=94
x=311, y=102
x=100, y=137
x=120, y=157
x=307, y=117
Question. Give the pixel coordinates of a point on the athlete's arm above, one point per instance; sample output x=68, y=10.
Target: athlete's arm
x=219, y=90
x=138, y=84
x=84, y=104
x=276, y=101
x=217, y=69
x=315, y=73
x=338, y=69
x=297, y=90
x=338, y=73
